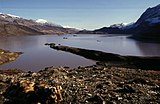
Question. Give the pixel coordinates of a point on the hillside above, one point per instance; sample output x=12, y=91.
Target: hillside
x=146, y=27
x=15, y=25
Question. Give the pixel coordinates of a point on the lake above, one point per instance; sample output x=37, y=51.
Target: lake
x=37, y=56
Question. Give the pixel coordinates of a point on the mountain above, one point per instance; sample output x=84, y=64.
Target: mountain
x=150, y=16
x=147, y=26
x=15, y=25
x=121, y=28
x=86, y=32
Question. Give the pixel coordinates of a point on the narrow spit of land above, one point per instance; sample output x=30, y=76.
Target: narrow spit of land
x=113, y=59
x=7, y=56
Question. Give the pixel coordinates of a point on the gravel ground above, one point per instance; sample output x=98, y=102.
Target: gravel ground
x=83, y=85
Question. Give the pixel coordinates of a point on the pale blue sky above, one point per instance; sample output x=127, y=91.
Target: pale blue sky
x=83, y=14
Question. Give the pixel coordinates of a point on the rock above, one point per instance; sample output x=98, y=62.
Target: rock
x=119, y=98
x=99, y=86
x=138, y=80
x=65, y=38
x=109, y=82
x=127, y=89
x=156, y=89
x=97, y=68
x=26, y=91
x=97, y=99
x=80, y=85
x=27, y=85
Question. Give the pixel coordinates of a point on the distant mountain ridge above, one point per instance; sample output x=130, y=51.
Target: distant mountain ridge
x=147, y=26
x=15, y=25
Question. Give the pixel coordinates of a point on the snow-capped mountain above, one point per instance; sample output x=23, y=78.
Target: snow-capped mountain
x=41, y=21
x=151, y=15
x=123, y=25
x=8, y=15
x=122, y=28
x=45, y=22
x=129, y=26
x=148, y=25
x=15, y=25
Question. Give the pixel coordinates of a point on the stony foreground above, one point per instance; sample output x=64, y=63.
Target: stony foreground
x=82, y=85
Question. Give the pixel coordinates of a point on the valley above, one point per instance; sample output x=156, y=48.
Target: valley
x=43, y=62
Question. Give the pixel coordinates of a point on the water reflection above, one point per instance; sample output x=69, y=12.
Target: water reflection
x=149, y=49
x=38, y=56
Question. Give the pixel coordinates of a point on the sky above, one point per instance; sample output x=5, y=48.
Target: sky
x=82, y=14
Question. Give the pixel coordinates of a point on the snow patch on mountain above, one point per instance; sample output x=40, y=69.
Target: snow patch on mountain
x=129, y=25
x=14, y=16
x=41, y=21
x=68, y=26
x=3, y=15
x=123, y=25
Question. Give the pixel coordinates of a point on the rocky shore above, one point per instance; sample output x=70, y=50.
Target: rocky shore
x=112, y=59
x=7, y=56
x=107, y=82
x=83, y=85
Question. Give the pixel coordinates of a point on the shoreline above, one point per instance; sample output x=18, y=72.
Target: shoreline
x=110, y=81
x=137, y=62
x=7, y=56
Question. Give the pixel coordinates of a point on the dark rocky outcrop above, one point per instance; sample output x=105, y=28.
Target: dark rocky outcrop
x=124, y=61
x=31, y=92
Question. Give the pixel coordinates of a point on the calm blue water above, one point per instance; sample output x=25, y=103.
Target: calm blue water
x=38, y=56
